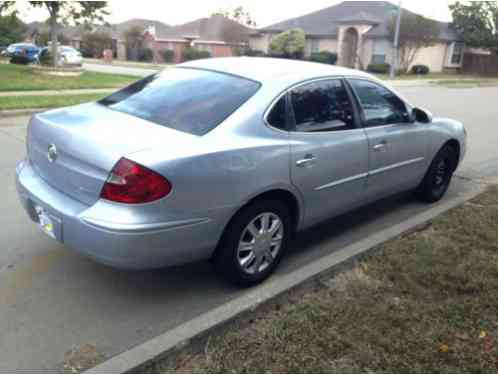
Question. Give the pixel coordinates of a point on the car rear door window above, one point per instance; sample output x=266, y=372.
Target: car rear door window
x=278, y=114
x=380, y=106
x=194, y=101
x=322, y=106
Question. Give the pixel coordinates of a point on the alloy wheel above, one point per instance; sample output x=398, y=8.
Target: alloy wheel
x=260, y=243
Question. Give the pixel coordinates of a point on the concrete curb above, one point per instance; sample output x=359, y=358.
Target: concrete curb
x=182, y=335
x=22, y=112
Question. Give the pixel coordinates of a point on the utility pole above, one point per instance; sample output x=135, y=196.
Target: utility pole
x=394, y=64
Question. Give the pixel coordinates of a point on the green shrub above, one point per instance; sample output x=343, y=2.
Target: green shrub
x=289, y=44
x=194, y=54
x=324, y=57
x=420, y=69
x=379, y=68
x=254, y=53
x=168, y=55
x=145, y=55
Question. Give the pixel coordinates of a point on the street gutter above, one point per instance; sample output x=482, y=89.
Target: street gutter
x=186, y=334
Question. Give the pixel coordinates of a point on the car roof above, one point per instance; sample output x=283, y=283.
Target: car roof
x=264, y=69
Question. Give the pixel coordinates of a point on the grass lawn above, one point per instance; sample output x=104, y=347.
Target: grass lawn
x=481, y=82
x=24, y=78
x=427, y=302
x=23, y=102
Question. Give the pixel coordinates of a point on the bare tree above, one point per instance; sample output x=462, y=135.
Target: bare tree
x=239, y=15
x=416, y=32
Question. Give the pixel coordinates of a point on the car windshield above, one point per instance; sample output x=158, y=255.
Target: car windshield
x=194, y=101
x=67, y=49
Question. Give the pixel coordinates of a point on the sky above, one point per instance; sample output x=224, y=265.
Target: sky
x=264, y=12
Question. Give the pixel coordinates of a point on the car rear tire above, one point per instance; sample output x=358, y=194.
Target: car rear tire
x=253, y=243
x=438, y=177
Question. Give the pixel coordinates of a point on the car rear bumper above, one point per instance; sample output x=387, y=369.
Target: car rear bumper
x=118, y=244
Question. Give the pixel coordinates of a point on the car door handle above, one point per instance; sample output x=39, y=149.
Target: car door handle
x=380, y=147
x=308, y=161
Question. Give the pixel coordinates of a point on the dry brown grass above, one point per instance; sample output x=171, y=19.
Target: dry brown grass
x=428, y=303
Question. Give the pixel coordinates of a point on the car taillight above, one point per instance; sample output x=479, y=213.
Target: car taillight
x=133, y=183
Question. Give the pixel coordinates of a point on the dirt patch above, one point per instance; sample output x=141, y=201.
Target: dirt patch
x=82, y=358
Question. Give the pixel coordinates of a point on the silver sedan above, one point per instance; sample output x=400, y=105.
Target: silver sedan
x=225, y=159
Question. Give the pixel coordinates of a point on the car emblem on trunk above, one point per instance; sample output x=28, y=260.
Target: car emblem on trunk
x=52, y=153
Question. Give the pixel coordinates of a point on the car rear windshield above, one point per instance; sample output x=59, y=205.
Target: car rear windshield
x=194, y=101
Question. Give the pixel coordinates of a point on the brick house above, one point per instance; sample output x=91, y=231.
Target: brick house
x=217, y=34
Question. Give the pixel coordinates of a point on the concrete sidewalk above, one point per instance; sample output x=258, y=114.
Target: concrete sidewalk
x=57, y=92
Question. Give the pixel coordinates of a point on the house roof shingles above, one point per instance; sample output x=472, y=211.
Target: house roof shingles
x=325, y=22
x=214, y=28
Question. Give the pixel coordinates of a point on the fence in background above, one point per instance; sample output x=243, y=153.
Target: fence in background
x=486, y=65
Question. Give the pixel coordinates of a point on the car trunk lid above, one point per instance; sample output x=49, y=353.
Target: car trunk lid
x=74, y=149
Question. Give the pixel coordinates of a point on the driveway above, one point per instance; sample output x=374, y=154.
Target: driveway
x=55, y=304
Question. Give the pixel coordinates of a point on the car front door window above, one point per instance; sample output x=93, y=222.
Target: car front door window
x=322, y=106
x=380, y=106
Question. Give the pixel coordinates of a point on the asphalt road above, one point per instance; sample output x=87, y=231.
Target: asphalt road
x=114, y=69
x=54, y=303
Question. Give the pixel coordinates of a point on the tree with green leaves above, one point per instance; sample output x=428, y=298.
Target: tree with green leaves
x=94, y=43
x=11, y=29
x=238, y=14
x=7, y=7
x=289, y=44
x=416, y=32
x=477, y=23
x=70, y=11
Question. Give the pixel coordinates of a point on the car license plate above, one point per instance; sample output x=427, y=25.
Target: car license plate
x=45, y=222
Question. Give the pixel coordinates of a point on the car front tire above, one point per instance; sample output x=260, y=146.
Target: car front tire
x=438, y=177
x=253, y=243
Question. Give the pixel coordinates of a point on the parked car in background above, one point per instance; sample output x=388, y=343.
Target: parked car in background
x=23, y=53
x=67, y=56
x=225, y=159
x=3, y=51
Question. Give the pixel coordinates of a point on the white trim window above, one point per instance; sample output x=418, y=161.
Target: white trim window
x=315, y=45
x=379, y=53
x=456, y=54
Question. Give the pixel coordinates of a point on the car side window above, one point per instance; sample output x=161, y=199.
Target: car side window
x=322, y=106
x=380, y=106
x=278, y=114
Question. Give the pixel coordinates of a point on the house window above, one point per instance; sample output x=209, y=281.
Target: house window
x=315, y=45
x=378, y=59
x=457, y=53
x=380, y=49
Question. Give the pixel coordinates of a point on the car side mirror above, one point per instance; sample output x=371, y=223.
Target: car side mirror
x=422, y=116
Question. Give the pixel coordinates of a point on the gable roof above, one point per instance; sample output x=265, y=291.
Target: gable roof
x=118, y=30
x=325, y=22
x=214, y=28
